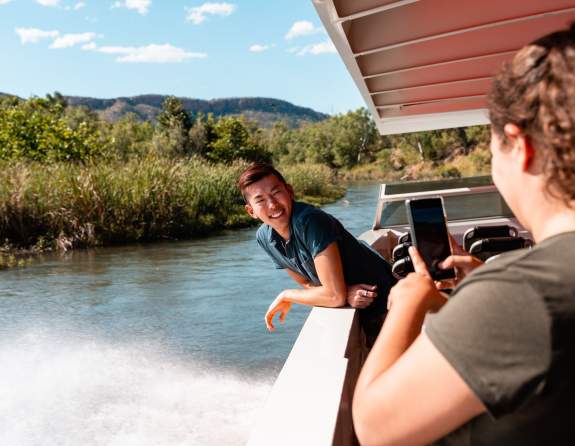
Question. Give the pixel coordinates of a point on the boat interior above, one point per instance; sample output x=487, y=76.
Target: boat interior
x=477, y=217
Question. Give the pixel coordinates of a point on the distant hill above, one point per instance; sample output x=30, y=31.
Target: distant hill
x=265, y=111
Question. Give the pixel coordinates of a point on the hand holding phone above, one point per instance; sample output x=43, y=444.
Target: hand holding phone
x=429, y=234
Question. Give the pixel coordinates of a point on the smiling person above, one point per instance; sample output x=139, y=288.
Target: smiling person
x=496, y=365
x=332, y=266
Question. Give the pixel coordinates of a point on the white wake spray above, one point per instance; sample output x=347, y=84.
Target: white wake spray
x=59, y=391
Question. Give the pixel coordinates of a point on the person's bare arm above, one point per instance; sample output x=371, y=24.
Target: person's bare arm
x=298, y=278
x=331, y=293
x=407, y=393
x=359, y=295
x=416, y=400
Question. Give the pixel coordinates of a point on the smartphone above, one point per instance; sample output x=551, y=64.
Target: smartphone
x=429, y=234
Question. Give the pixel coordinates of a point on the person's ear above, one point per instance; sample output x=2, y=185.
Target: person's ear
x=290, y=191
x=250, y=211
x=521, y=145
x=527, y=153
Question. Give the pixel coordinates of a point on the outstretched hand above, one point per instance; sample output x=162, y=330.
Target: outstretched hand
x=279, y=305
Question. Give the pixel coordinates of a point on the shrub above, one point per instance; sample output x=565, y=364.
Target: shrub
x=36, y=130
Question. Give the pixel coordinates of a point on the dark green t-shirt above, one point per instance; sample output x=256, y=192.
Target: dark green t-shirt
x=509, y=331
x=313, y=230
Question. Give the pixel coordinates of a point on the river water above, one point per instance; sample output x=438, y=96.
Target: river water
x=159, y=344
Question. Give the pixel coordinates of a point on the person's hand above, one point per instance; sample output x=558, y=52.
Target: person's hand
x=361, y=295
x=417, y=286
x=464, y=264
x=279, y=305
x=461, y=260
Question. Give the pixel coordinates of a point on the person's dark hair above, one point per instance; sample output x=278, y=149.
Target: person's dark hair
x=535, y=91
x=256, y=172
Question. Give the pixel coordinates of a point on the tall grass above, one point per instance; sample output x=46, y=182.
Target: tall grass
x=67, y=205
x=313, y=183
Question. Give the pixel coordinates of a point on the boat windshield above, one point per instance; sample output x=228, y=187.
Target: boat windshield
x=464, y=198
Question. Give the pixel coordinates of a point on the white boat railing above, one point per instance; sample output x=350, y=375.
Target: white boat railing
x=460, y=191
x=310, y=402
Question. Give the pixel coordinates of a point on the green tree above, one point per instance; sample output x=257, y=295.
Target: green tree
x=174, y=122
x=233, y=141
x=201, y=134
x=174, y=114
x=36, y=130
x=277, y=139
x=478, y=134
x=354, y=138
x=129, y=137
x=56, y=100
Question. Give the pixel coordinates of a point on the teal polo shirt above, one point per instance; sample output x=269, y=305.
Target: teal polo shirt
x=313, y=230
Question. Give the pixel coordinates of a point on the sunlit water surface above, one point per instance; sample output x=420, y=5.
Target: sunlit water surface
x=162, y=344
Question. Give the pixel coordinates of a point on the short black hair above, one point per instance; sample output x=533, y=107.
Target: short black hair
x=256, y=172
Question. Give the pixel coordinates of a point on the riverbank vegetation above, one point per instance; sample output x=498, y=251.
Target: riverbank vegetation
x=351, y=144
x=69, y=179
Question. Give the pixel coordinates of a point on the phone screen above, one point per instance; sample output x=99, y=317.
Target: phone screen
x=429, y=232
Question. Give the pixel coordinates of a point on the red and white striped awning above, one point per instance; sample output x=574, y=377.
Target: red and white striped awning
x=428, y=64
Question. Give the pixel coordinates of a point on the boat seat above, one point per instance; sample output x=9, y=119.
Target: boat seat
x=400, y=251
x=402, y=267
x=404, y=238
x=483, y=242
x=489, y=247
x=484, y=232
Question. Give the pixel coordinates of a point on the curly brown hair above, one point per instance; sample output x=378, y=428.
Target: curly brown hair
x=536, y=92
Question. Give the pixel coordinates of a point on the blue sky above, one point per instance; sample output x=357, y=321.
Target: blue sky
x=206, y=50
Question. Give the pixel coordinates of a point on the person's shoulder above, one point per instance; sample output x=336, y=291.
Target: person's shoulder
x=507, y=266
x=304, y=213
x=499, y=264
x=504, y=285
x=519, y=266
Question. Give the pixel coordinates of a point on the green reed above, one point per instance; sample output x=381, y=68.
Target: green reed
x=313, y=183
x=66, y=205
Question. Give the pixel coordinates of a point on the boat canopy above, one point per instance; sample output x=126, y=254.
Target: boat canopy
x=428, y=64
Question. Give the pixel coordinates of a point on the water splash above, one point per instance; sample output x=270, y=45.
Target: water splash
x=55, y=390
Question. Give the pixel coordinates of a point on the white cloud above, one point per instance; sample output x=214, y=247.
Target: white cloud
x=198, y=14
x=70, y=40
x=142, y=6
x=4, y=2
x=76, y=7
x=34, y=35
x=259, y=48
x=302, y=28
x=325, y=47
x=147, y=54
x=89, y=46
x=52, y=3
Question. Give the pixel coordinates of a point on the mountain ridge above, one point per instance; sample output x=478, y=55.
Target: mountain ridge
x=264, y=111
